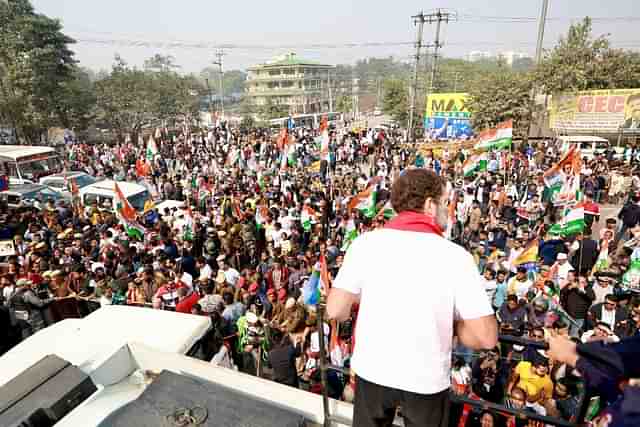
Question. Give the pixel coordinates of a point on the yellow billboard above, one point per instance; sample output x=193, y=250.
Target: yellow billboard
x=604, y=111
x=447, y=116
x=449, y=105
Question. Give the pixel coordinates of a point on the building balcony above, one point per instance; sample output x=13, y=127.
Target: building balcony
x=280, y=77
x=283, y=92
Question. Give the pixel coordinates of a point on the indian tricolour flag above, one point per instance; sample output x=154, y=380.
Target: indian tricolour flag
x=572, y=223
x=319, y=283
x=350, y=234
x=471, y=165
x=127, y=215
x=306, y=218
x=496, y=138
x=365, y=202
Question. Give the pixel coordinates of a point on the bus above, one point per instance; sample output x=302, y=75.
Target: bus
x=311, y=121
x=25, y=164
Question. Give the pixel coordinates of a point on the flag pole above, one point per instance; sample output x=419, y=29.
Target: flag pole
x=323, y=366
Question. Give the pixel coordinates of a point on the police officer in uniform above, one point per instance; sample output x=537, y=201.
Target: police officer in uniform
x=27, y=306
x=210, y=245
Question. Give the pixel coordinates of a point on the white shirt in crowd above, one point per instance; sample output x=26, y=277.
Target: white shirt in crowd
x=411, y=285
x=205, y=272
x=601, y=292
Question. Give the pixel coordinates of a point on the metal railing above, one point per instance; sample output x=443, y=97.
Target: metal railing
x=482, y=405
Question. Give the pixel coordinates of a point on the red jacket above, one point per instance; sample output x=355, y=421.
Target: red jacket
x=187, y=304
x=284, y=278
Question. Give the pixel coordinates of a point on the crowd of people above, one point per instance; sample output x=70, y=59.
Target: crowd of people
x=266, y=214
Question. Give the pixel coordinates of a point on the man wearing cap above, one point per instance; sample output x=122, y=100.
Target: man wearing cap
x=563, y=268
x=394, y=257
x=520, y=284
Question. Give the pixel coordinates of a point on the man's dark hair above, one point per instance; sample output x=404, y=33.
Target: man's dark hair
x=411, y=190
x=227, y=297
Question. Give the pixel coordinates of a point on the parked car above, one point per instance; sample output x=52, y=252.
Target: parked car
x=21, y=195
x=60, y=181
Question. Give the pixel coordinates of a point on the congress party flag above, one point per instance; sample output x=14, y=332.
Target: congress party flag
x=497, y=138
x=572, y=223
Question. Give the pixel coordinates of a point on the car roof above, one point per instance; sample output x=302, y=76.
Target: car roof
x=107, y=188
x=69, y=174
x=582, y=138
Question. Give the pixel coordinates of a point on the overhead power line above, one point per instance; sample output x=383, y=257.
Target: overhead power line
x=524, y=19
x=167, y=44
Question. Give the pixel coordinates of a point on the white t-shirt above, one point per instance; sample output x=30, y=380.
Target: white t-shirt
x=412, y=286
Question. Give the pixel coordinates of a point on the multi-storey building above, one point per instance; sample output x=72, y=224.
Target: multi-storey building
x=299, y=85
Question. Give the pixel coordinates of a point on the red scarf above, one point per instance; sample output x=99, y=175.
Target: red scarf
x=414, y=221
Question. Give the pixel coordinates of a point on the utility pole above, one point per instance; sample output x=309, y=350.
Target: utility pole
x=329, y=87
x=220, y=54
x=439, y=16
x=541, y=25
x=417, y=19
x=210, y=99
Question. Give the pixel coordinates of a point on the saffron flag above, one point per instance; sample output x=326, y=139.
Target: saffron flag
x=529, y=254
x=497, y=138
x=324, y=139
x=283, y=138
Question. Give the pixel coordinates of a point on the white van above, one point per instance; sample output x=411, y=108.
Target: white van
x=104, y=191
x=589, y=146
x=26, y=164
x=85, y=342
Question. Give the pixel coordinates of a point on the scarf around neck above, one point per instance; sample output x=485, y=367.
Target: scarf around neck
x=416, y=222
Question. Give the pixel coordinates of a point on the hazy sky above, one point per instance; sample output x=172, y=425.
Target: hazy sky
x=264, y=29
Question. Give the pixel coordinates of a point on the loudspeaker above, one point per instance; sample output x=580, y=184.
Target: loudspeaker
x=44, y=393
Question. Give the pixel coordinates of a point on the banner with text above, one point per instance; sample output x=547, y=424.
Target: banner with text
x=603, y=111
x=447, y=116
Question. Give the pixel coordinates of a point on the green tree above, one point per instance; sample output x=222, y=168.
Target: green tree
x=160, y=63
x=233, y=81
x=76, y=105
x=129, y=98
x=499, y=96
x=396, y=100
x=344, y=104
x=581, y=61
x=35, y=66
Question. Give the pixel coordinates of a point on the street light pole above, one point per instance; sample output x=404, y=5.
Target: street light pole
x=220, y=63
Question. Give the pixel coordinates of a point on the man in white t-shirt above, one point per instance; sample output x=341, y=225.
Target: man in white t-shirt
x=407, y=361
